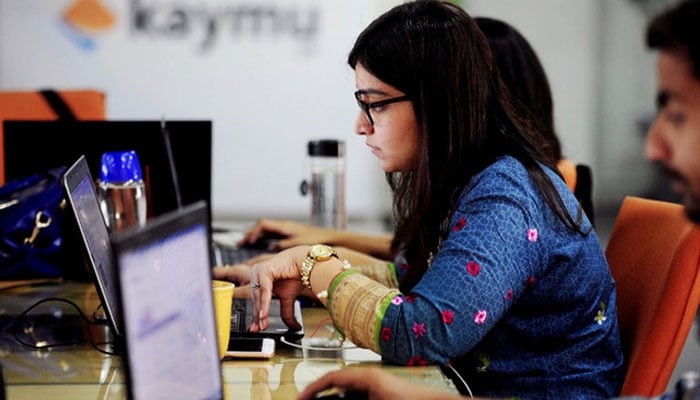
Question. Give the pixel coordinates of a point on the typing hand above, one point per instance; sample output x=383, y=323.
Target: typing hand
x=239, y=274
x=283, y=234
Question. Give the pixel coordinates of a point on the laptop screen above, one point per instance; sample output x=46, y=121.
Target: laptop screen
x=168, y=310
x=80, y=191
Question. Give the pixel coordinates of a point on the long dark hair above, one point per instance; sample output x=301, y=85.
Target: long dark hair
x=434, y=52
x=523, y=76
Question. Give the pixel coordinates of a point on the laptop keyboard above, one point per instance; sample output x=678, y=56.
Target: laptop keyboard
x=230, y=255
x=238, y=316
x=241, y=315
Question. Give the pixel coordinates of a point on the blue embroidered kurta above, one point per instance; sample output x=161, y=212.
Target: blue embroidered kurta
x=517, y=302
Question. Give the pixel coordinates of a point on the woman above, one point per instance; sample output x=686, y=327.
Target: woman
x=525, y=81
x=498, y=274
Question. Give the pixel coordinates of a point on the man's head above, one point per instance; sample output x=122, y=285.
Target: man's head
x=674, y=137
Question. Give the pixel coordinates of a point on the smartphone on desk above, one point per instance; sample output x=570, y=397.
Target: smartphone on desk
x=251, y=347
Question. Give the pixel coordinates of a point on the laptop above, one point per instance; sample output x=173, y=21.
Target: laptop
x=80, y=191
x=165, y=293
x=81, y=195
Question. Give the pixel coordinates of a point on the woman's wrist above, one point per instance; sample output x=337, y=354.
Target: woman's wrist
x=322, y=277
x=319, y=267
x=317, y=253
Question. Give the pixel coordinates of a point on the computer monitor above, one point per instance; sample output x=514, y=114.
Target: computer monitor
x=35, y=146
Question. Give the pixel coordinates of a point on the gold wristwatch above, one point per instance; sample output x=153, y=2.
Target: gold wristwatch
x=317, y=252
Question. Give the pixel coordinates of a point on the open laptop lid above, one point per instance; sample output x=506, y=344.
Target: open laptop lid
x=167, y=307
x=80, y=191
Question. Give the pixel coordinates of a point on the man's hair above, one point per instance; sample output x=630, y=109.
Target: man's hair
x=678, y=30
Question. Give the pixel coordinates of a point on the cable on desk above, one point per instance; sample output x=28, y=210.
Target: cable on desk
x=452, y=371
x=319, y=325
x=303, y=347
x=43, y=345
x=97, y=318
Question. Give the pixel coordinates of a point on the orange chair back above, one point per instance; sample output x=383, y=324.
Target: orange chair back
x=654, y=256
x=30, y=105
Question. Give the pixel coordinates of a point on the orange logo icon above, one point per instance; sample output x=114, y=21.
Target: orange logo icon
x=89, y=16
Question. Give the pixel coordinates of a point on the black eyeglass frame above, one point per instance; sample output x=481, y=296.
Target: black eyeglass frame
x=364, y=106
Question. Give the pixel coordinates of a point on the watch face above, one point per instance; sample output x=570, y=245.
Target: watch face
x=320, y=251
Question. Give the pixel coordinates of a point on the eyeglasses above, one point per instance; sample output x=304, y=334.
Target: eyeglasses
x=375, y=106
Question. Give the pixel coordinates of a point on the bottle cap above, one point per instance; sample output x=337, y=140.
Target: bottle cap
x=326, y=148
x=120, y=166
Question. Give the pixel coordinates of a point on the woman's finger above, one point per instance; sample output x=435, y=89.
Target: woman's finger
x=261, y=293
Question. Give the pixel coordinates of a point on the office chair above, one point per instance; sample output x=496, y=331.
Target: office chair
x=654, y=254
x=568, y=171
x=579, y=179
x=584, y=190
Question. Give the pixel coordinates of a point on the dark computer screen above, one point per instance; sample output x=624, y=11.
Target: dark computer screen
x=36, y=146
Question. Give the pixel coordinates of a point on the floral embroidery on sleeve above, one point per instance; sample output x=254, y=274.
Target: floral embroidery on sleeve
x=417, y=360
x=473, y=268
x=418, y=329
x=461, y=223
x=397, y=300
x=484, y=361
x=480, y=317
x=532, y=234
x=447, y=317
x=600, y=317
x=386, y=333
x=509, y=294
x=530, y=280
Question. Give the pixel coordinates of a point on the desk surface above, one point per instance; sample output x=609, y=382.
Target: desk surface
x=81, y=372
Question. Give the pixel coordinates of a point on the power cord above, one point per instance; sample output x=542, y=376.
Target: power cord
x=336, y=345
x=43, y=345
x=452, y=371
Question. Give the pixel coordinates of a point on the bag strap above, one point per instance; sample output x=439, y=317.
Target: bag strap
x=58, y=105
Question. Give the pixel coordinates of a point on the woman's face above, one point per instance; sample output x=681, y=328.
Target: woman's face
x=394, y=135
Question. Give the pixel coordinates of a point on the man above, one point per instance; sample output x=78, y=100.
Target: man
x=674, y=138
x=673, y=142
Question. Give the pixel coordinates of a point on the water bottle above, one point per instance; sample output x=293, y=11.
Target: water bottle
x=327, y=187
x=688, y=387
x=122, y=191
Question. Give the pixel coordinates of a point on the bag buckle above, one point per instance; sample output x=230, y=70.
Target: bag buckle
x=39, y=223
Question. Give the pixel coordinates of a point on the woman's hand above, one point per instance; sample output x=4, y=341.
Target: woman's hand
x=292, y=234
x=239, y=274
x=279, y=275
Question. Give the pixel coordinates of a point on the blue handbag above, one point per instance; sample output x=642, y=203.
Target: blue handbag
x=32, y=210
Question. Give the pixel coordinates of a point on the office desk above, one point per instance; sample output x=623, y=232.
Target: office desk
x=81, y=372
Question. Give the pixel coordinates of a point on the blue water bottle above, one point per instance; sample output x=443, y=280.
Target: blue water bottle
x=122, y=191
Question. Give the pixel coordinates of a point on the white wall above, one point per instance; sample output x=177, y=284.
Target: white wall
x=564, y=35
x=627, y=96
